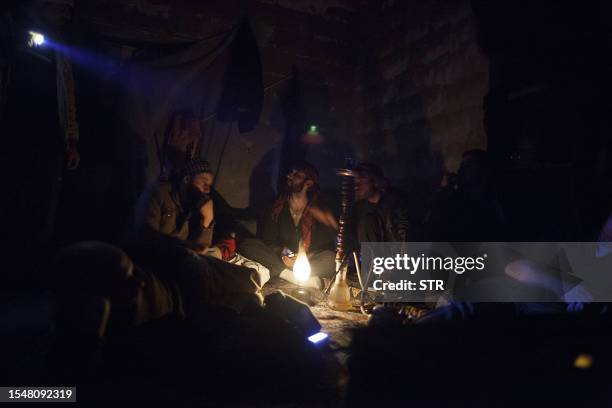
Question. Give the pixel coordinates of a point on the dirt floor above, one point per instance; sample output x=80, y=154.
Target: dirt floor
x=337, y=324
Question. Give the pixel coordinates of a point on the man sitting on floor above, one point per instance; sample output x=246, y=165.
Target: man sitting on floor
x=174, y=228
x=296, y=216
x=380, y=216
x=179, y=211
x=116, y=321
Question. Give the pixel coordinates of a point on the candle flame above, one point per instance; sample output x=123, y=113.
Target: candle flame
x=301, y=267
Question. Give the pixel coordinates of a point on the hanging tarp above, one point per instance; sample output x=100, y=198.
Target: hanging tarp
x=243, y=90
x=192, y=78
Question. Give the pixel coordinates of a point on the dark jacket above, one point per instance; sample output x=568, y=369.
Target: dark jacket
x=168, y=229
x=162, y=215
x=229, y=220
x=464, y=215
x=385, y=221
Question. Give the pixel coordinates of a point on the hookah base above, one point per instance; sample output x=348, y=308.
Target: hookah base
x=340, y=298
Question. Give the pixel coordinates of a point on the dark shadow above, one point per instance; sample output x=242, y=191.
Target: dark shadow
x=95, y=197
x=324, y=148
x=546, y=112
x=398, y=118
x=261, y=189
x=295, y=122
x=305, y=102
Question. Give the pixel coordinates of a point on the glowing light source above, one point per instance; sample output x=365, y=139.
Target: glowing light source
x=36, y=39
x=317, y=338
x=312, y=136
x=301, y=267
x=583, y=361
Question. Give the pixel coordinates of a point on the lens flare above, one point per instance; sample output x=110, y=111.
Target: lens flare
x=36, y=39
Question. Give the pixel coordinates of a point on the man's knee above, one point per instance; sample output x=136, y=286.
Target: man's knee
x=257, y=250
x=252, y=245
x=327, y=256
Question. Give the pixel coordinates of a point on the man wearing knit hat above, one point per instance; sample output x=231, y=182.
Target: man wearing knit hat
x=179, y=210
x=174, y=223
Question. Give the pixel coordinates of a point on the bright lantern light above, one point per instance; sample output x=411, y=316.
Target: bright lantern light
x=36, y=39
x=301, y=267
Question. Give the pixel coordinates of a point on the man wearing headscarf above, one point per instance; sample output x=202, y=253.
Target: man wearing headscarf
x=296, y=217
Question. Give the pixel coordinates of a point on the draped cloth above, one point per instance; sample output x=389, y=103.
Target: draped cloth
x=66, y=101
x=219, y=79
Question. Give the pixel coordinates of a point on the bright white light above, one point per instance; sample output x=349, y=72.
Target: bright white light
x=39, y=39
x=316, y=338
x=301, y=267
x=36, y=39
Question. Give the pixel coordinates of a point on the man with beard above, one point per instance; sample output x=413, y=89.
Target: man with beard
x=296, y=217
x=179, y=211
x=379, y=214
x=174, y=229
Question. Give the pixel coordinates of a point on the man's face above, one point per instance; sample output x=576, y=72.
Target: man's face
x=296, y=180
x=202, y=182
x=364, y=187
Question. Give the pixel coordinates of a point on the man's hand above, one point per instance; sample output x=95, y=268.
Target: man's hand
x=207, y=213
x=576, y=298
x=289, y=261
x=73, y=158
x=578, y=294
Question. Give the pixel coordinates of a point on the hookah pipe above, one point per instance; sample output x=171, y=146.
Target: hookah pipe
x=339, y=295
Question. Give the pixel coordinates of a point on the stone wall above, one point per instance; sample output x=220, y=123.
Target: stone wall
x=423, y=81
